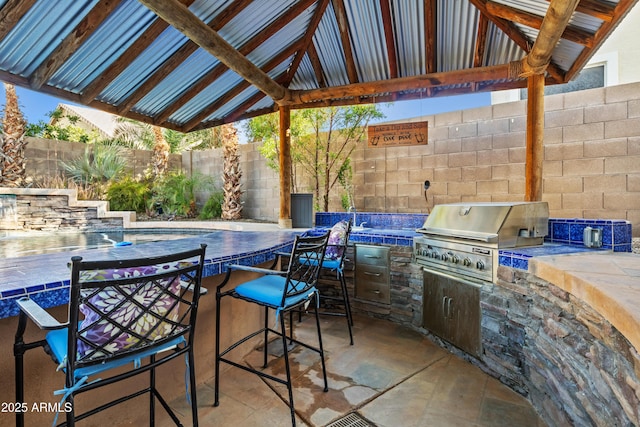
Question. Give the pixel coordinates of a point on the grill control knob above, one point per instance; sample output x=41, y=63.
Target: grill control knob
x=435, y=255
x=455, y=259
x=466, y=262
x=445, y=257
x=480, y=265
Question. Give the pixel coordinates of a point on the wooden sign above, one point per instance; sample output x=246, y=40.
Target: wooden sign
x=398, y=134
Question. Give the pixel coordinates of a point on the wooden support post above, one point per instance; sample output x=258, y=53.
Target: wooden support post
x=285, y=168
x=535, y=138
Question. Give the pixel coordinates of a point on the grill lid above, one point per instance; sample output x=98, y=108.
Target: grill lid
x=508, y=224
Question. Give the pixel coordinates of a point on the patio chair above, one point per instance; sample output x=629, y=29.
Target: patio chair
x=129, y=314
x=281, y=291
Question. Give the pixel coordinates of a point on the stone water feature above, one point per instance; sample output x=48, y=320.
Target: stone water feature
x=8, y=212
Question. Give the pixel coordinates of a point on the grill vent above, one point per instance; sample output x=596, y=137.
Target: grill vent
x=350, y=420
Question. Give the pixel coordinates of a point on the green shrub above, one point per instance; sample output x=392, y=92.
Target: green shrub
x=176, y=193
x=97, y=165
x=128, y=195
x=213, y=207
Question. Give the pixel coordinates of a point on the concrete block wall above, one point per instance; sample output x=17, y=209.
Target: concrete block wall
x=591, y=166
x=44, y=156
x=261, y=185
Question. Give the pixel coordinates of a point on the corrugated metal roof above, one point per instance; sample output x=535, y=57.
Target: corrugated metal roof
x=129, y=61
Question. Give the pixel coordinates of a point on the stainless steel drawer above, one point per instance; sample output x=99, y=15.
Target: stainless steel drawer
x=373, y=273
x=373, y=291
x=373, y=255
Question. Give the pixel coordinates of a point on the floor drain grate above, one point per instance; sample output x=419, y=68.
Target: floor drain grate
x=350, y=420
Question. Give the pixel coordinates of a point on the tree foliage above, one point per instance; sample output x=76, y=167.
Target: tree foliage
x=322, y=140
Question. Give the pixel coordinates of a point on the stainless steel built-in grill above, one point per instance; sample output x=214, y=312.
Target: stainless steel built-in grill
x=464, y=238
x=458, y=252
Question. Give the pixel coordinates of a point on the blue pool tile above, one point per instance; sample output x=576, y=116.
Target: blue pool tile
x=520, y=263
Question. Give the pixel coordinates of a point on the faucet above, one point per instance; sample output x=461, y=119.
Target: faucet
x=353, y=209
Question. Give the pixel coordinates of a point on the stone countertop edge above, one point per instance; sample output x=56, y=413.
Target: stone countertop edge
x=608, y=282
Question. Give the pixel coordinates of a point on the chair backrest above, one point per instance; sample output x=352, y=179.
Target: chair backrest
x=338, y=240
x=120, y=308
x=304, y=264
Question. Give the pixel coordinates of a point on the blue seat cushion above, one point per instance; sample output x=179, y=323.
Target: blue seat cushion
x=268, y=290
x=57, y=340
x=331, y=264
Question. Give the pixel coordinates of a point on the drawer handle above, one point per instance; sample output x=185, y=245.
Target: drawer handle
x=372, y=274
x=372, y=256
x=376, y=292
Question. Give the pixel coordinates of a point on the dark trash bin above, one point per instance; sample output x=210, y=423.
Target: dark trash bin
x=302, y=210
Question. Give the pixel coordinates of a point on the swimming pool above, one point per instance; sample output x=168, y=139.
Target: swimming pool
x=15, y=244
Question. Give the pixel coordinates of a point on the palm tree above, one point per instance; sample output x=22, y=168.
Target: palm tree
x=160, y=156
x=231, y=205
x=12, y=142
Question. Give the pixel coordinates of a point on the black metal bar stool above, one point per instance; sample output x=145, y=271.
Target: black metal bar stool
x=283, y=292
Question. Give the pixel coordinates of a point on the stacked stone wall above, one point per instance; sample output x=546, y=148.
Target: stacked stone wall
x=571, y=363
x=53, y=213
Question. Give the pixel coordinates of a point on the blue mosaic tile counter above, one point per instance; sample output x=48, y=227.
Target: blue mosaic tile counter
x=45, y=278
x=565, y=234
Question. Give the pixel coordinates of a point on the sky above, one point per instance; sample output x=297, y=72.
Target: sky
x=37, y=106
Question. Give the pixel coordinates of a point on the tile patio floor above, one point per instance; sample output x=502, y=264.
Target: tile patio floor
x=391, y=376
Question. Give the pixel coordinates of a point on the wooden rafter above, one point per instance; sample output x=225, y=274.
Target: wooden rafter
x=307, y=41
x=177, y=58
x=233, y=92
x=555, y=21
x=432, y=80
x=317, y=65
x=221, y=68
x=481, y=43
x=119, y=65
x=510, y=29
x=11, y=13
x=430, y=36
x=597, y=9
x=343, y=28
x=387, y=27
x=621, y=9
x=570, y=33
x=72, y=42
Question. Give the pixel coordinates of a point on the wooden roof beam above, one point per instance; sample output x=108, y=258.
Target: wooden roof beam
x=221, y=68
x=72, y=42
x=430, y=38
x=307, y=44
x=387, y=27
x=554, y=23
x=621, y=9
x=233, y=92
x=11, y=13
x=121, y=63
x=431, y=80
x=179, y=57
x=597, y=9
x=570, y=33
x=510, y=29
x=190, y=25
x=343, y=27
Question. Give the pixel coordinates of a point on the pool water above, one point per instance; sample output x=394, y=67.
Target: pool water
x=24, y=243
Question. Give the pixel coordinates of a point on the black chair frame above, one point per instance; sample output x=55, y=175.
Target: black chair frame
x=299, y=268
x=179, y=287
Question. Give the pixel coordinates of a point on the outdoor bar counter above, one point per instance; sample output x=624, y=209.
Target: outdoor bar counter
x=559, y=326
x=45, y=278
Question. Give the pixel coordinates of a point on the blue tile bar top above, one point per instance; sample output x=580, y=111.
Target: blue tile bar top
x=616, y=234
x=45, y=278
